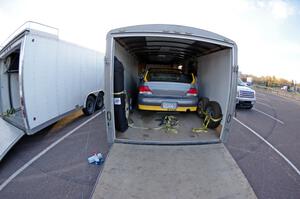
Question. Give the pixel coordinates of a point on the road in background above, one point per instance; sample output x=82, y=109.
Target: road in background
x=277, y=120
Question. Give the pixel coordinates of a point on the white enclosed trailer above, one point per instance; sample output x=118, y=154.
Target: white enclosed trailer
x=147, y=162
x=42, y=79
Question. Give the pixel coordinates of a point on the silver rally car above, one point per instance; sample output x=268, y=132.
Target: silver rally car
x=167, y=89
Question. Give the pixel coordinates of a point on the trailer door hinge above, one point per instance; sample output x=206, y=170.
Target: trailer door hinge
x=236, y=69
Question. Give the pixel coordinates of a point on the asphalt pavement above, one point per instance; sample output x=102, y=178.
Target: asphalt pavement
x=277, y=120
x=62, y=172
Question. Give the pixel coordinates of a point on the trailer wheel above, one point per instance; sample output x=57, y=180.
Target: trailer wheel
x=213, y=109
x=203, y=101
x=100, y=101
x=89, y=105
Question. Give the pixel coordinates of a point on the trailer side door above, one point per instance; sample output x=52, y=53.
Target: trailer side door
x=9, y=135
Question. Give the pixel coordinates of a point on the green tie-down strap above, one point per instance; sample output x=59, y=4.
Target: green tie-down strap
x=206, y=121
x=168, y=123
x=131, y=125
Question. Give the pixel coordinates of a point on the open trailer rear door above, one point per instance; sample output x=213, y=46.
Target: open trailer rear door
x=180, y=171
x=9, y=135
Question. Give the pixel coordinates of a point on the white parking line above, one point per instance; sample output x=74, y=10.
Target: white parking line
x=267, y=105
x=20, y=170
x=270, y=116
x=270, y=145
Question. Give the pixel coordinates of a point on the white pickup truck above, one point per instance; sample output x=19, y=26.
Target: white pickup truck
x=246, y=97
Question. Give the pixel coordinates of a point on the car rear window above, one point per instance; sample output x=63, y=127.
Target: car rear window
x=169, y=76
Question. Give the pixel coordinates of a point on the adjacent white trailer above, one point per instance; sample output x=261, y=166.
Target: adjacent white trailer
x=42, y=79
x=145, y=161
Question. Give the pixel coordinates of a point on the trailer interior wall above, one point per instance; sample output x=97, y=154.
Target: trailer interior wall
x=213, y=71
x=131, y=73
x=214, y=77
x=10, y=83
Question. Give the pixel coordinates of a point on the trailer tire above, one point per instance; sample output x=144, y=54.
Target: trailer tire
x=100, y=101
x=213, y=108
x=201, y=107
x=89, y=105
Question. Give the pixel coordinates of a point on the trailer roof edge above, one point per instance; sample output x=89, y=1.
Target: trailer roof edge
x=175, y=29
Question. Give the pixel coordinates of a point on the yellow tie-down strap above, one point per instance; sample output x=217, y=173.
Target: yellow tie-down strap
x=206, y=121
x=120, y=93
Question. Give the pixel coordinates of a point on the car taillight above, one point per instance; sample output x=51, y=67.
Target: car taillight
x=144, y=90
x=192, y=92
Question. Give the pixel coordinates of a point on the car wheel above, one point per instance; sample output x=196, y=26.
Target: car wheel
x=201, y=108
x=213, y=109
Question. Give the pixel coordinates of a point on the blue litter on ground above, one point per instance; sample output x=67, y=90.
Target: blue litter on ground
x=96, y=159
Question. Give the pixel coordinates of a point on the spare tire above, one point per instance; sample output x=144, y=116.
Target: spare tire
x=120, y=98
x=213, y=109
x=201, y=107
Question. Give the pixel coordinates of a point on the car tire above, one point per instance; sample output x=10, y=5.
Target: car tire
x=213, y=108
x=201, y=107
x=100, y=101
x=89, y=105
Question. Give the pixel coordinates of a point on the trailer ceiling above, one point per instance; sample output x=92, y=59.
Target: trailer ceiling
x=166, y=50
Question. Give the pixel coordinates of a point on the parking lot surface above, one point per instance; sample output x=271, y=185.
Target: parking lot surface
x=62, y=172
x=277, y=120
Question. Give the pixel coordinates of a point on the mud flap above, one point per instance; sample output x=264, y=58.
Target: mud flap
x=9, y=135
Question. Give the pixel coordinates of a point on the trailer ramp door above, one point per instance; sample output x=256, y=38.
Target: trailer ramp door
x=193, y=171
x=9, y=135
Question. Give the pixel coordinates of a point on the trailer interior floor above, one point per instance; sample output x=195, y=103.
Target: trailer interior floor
x=151, y=119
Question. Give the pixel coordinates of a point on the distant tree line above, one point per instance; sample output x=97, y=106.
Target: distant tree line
x=270, y=81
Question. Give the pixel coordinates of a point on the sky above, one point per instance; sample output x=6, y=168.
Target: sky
x=267, y=32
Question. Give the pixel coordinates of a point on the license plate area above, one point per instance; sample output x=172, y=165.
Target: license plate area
x=169, y=105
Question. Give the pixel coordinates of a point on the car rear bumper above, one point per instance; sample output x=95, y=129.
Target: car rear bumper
x=155, y=103
x=159, y=108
